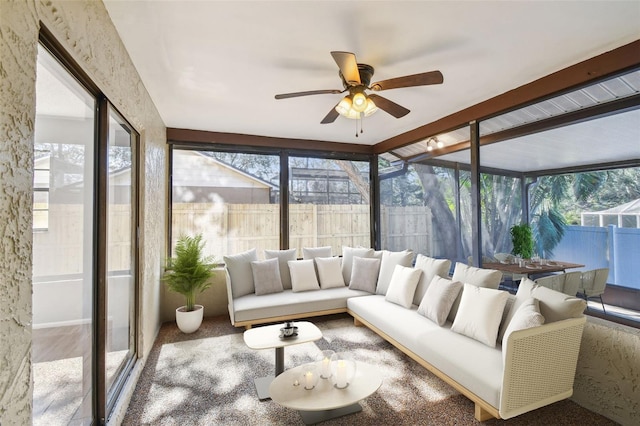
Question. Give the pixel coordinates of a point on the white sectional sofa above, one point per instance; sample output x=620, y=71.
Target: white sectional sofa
x=509, y=354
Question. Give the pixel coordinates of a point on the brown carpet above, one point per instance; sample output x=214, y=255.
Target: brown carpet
x=206, y=378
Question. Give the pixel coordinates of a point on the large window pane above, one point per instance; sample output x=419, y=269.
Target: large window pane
x=231, y=198
x=328, y=203
x=418, y=210
x=62, y=248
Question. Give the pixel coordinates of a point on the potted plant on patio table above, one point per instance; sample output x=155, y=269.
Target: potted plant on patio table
x=522, y=239
x=189, y=273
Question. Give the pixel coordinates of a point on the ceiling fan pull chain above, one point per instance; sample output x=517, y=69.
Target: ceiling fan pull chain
x=356, y=127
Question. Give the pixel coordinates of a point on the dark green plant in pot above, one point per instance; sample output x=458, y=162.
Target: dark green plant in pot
x=522, y=239
x=189, y=271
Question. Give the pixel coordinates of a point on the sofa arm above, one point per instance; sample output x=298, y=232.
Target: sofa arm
x=229, y=297
x=539, y=366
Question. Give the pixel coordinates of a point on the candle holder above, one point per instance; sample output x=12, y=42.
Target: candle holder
x=343, y=370
x=324, y=363
x=310, y=376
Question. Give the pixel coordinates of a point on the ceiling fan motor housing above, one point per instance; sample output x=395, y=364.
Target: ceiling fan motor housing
x=365, y=71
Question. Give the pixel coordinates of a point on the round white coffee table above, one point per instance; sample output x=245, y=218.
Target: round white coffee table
x=324, y=401
x=268, y=337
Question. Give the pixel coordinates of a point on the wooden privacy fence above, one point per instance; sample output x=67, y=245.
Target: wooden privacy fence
x=233, y=228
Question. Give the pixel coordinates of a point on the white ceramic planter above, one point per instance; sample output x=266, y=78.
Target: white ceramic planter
x=188, y=322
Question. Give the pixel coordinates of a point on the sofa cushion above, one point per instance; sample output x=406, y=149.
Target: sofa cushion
x=527, y=316
x=276, y=305
x=240, y=272
x=266, y=276
x=403, y=285
x=329, y=272
x=480, y=313
x=439, y=298
x=365, y=274
x=387, y=266
x=447, y=351
x=487, y=278
x=348, y=253
x=430, y=268
x=303, y=275
x=313, y=252
x=283, y=257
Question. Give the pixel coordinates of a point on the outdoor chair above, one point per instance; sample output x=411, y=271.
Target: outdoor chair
x=567, y=283
x=593, y=284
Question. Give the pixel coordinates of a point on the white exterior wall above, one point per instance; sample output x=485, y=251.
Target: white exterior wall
x=85, y=30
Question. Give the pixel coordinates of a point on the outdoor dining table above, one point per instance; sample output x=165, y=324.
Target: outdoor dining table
x=532, y=268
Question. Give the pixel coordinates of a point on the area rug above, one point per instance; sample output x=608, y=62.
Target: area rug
x=209, y=381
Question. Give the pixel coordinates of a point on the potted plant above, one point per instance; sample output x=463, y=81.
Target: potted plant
x=522, y=239
x=188, y=274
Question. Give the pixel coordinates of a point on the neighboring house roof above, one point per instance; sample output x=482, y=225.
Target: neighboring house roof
x=632, y=207
x=193, y=175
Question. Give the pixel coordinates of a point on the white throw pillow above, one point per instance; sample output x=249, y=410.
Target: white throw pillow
x=329, y=272
x=240, y=272
x=480, y=313
x=348, y=253
x=283, y=257
x=266, y=276
x=557, y=306
x=365, y=274
x=487, y=278
x=403, y=285
x=438, y=299
x=430, y=268
x=481, y=277
x=303, y=275
x=388, y=265
x=524, y=292
x=313, y=252
x=527, y=316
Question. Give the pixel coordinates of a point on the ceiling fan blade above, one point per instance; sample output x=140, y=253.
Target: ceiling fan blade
x=348, y=66
x=388, y=106
x=422, y=79
x=331, y=117
x=307, y=93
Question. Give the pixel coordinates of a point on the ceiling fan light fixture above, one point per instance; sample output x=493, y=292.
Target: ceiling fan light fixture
x=344, y=106
x=371, y=108
x=359, y=102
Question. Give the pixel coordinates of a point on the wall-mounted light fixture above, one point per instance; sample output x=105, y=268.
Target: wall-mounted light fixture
x=434, y=143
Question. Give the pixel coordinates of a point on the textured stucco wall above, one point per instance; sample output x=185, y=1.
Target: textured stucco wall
x=18, y=38
x=87, y=33
x=608, y=372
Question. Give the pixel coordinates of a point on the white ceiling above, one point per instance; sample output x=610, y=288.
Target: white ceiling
x=216, y=65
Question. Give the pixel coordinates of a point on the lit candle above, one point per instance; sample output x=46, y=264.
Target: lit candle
x=326, y=367
x=308, y=380
x=341, y=374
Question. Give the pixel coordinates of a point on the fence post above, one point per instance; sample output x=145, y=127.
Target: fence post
x=611, y=242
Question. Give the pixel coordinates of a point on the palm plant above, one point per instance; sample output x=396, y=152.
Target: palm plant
x=189, y=271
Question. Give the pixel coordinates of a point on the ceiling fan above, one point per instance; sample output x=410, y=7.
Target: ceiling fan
x=356, y=79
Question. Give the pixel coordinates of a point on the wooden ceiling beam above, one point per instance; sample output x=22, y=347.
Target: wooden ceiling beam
x=200, y=136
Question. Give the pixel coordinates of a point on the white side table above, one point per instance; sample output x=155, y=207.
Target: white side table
x=324, y=402
x=268, y=337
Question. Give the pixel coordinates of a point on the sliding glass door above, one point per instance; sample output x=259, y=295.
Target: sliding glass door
x=84, y=248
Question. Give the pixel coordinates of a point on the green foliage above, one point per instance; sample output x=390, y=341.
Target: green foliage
x=522, y=239
x=189, y=271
